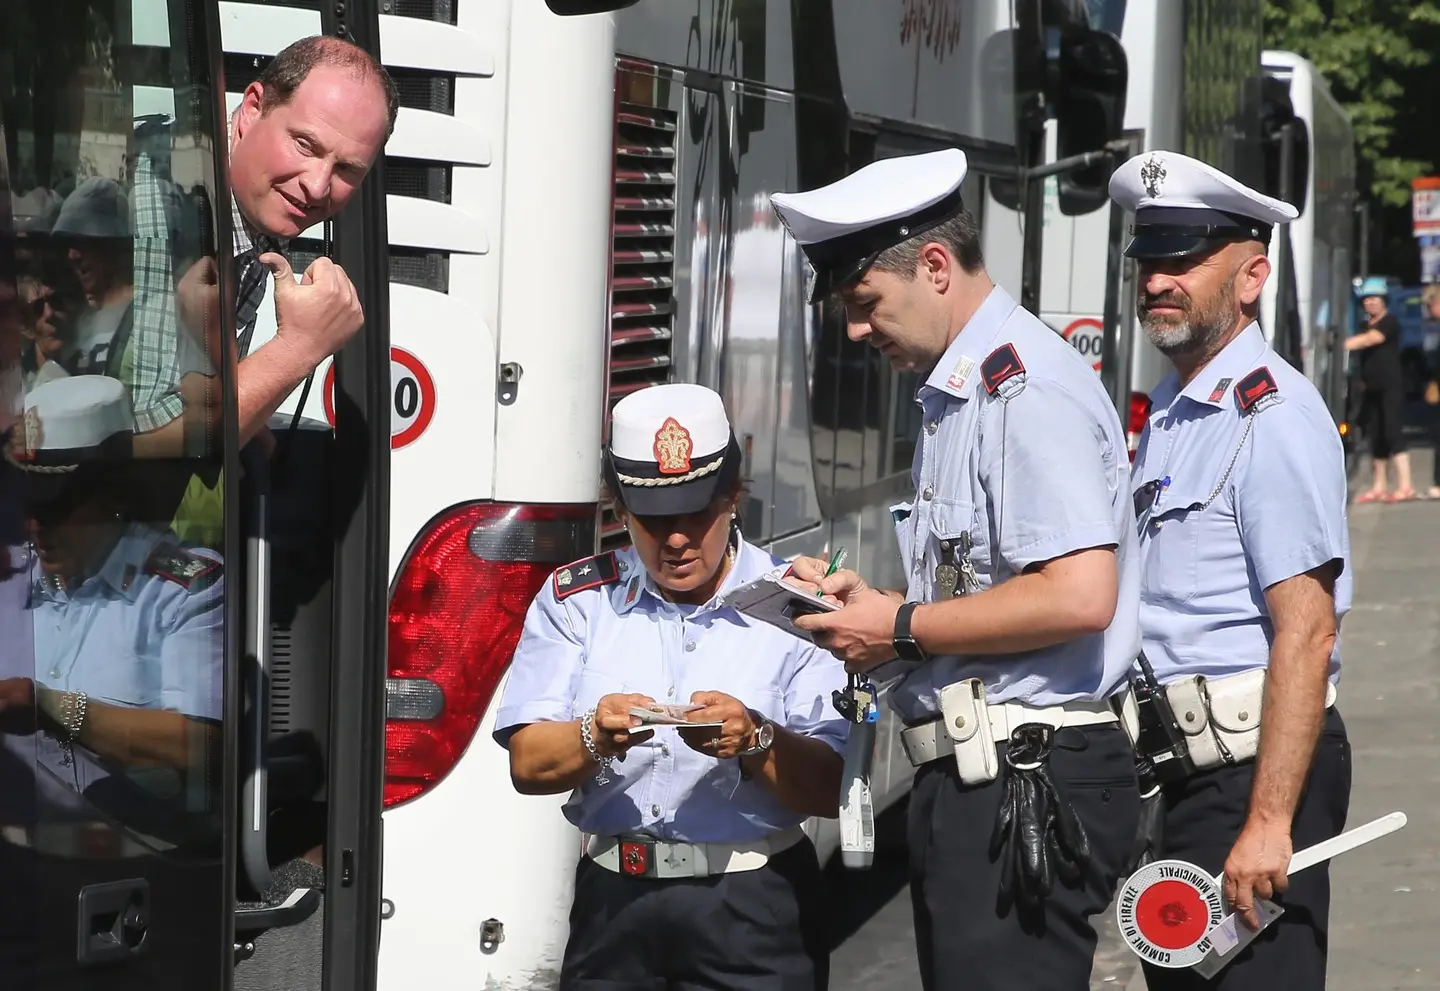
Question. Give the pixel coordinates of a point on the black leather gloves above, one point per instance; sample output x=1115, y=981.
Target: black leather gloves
x=1037, y=834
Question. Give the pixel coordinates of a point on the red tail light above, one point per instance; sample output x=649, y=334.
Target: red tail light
x=1139, y=415
x=455, y=616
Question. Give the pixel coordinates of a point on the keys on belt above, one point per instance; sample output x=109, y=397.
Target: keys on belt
x=955, y=574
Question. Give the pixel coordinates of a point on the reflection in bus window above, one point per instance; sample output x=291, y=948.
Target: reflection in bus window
x=126, y=623
x=111, y=663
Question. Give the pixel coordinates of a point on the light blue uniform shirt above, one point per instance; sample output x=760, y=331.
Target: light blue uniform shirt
x=1252, y=500
x=126, y=636
x=622, y=638
x=1034, y=472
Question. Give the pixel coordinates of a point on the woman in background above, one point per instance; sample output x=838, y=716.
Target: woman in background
x=1383, y=409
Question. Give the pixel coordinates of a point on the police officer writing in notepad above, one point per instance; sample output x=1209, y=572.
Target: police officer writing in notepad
x=1019, y=615
x=1239, y=487
x=696, y=872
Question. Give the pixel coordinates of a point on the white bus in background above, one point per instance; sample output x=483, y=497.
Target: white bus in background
x=1306, y=304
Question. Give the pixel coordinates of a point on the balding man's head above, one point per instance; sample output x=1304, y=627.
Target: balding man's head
x=307, y=132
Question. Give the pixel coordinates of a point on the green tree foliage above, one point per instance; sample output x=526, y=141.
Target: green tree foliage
x=1378, y=58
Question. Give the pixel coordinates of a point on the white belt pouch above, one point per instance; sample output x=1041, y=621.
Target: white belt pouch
x=1221, y=717
x=967, y=722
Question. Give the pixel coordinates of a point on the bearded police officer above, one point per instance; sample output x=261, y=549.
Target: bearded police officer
x=1019, y=616
x=1239, y=488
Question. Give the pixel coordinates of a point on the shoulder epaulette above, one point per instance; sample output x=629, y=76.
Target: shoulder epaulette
x=1253, y=388
x=1002, y=365
x=175, y=564
x=588, y=572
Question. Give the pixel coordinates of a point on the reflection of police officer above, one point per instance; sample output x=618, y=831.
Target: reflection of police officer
x=1239, y=488
x=1019, y=616
x=696, y=872
x=124, y=624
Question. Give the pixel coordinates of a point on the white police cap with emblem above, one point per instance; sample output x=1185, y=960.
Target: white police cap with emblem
x=671, y=450
x=843, y=227
x=1183, y=206
x=70, y=422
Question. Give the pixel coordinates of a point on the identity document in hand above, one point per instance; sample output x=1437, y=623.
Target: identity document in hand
x=660, y=714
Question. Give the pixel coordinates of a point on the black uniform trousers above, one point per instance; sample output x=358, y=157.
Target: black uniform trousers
x=963, y=942
x=760, y=930
x=1203, y=818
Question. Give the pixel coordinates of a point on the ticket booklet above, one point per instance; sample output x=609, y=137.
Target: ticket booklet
x=775, y=599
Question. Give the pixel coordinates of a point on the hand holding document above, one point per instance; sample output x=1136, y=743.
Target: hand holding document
x=661, y=714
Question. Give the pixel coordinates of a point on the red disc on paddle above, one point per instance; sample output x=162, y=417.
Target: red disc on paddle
x=1172, y=914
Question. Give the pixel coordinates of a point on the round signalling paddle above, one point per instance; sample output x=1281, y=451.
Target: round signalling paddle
x=1168, y=909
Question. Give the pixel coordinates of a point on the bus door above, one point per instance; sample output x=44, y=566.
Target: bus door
x=314, y=510
x=118, y=531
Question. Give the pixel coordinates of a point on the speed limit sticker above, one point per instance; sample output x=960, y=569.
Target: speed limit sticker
x=412, y=397
x=1085, y=335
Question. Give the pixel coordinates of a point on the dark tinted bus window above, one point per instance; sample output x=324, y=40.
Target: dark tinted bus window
x=111, y=603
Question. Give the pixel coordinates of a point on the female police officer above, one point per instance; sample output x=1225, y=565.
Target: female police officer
x=696, y=872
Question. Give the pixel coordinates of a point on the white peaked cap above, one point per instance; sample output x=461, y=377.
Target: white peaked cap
x=844, y=226
x=71, y=419
x=1183, y=206
x=671, y=449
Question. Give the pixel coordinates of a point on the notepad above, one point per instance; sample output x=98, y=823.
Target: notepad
x=772, y=598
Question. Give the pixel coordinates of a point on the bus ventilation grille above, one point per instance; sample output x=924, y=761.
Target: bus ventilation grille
x=642, y=282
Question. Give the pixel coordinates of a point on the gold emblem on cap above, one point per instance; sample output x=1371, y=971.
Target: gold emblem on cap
x=672, y=447
x=23, y=448
x=1152, y=174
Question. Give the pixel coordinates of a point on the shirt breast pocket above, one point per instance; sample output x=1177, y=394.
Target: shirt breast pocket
x=957, y=552
x=1173, y=532
x=593, y=685
x=127, y=679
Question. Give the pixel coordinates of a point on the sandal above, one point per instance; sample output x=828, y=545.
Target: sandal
x=1371, y=496
x=1401, y=496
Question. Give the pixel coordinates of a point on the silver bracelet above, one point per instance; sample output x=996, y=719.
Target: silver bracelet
x=72, y=726
x=587, y=737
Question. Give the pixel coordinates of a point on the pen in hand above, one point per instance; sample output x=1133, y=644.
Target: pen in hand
x=836, y=561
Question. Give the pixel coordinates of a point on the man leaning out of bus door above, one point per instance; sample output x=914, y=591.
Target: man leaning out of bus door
x=305, y=135
x=696, y=872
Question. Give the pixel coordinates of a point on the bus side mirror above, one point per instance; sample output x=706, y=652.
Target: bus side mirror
x=1089, y=102
x=1277, y=115
x=1079, y=76
x=1010, y=77
x=568, y=8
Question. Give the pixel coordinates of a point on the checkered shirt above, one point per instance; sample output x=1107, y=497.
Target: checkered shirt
x=155, y=342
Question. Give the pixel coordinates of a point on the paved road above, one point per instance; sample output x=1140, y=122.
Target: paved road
x=1386, y=910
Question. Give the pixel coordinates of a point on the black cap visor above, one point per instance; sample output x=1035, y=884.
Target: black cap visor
x=1161, y=244
x=666, y=496
x=56, y=476
x=1175, y=232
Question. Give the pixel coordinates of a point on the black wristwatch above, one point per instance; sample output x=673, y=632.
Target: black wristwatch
x=907, y=648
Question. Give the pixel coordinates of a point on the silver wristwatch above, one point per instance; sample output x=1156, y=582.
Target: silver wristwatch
x=764, y=736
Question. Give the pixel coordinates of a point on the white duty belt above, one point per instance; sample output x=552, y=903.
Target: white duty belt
x=931, y=741
x=645, y=856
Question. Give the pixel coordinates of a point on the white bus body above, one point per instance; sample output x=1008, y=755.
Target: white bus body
x=1322, y=237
